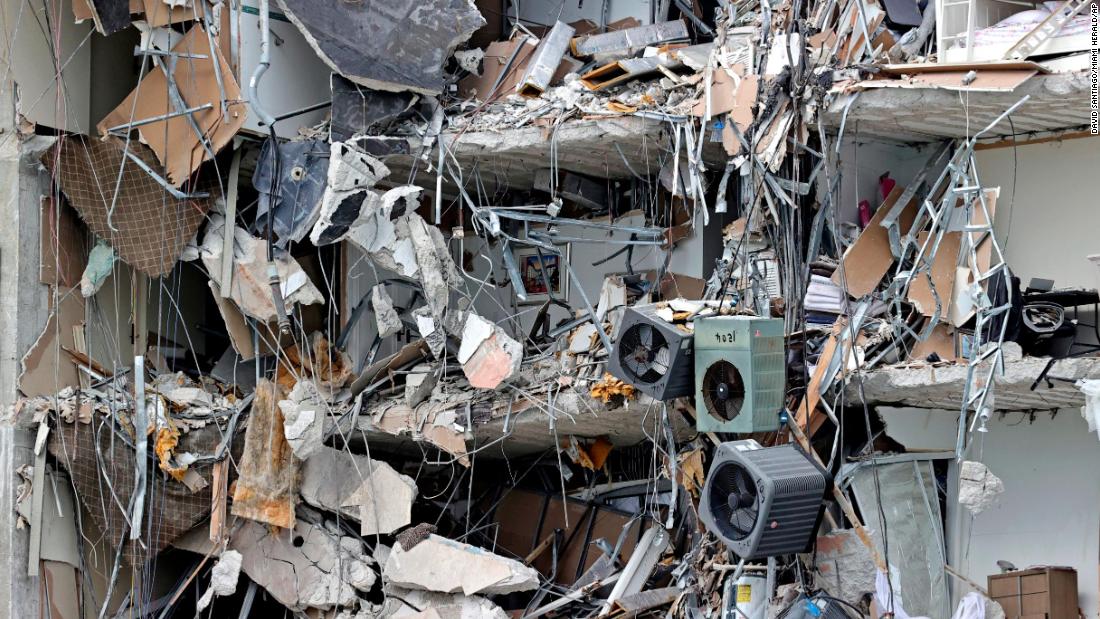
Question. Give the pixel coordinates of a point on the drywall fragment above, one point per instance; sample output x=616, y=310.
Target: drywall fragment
x=303, y=418
x=267, y=486
x=47, y=369
x=419, y=383
x=385, y=317
x=502, y=66
x=446, y=566
x=394, y=45
x=101, y=261
x=866, y=262
x=249, y=288
x=62, y=253
x=223, y=578
x=385, y=500
x=175, y=141
x=487, y=354
x=303, y=170
x=978, y=487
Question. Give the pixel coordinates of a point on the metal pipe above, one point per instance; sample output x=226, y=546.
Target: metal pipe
x=262, y=66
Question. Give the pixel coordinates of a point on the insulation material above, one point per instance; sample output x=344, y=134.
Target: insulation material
x=267, y=487
x=174, y=141
x=942, y=276
x=907, y=494
x=146, y=226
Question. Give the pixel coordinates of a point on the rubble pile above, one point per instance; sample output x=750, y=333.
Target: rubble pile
x=467, y=309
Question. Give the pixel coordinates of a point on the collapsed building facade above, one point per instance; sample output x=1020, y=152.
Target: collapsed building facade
x=549, y=309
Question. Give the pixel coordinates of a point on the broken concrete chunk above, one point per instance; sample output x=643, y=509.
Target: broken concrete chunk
x=498, y=358
x=249, y=288
x=429, y=330
x=978, y=487
x=306, y=567
x=303, y=418
x=223, y=578
x=101, y=261
x=391, y=45
x=385, y=500
x=330, y=476
x=487, y=354
x=189, y=396
x=419, y=383
x=475, y=331
x=385, y=316
x=437, y=269
x=348, y=196
x=446, y=566
x=407, y=604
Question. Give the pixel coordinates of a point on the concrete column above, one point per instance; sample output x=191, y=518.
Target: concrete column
x=23, y=312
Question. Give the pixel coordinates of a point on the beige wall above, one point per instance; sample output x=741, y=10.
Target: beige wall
x=1053, y=220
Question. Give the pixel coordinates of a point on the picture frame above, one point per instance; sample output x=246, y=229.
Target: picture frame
x=527, y=261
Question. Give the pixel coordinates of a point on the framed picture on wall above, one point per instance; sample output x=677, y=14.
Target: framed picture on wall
x=534, y=274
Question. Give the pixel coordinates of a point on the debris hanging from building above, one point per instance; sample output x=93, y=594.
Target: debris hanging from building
x=695, y=309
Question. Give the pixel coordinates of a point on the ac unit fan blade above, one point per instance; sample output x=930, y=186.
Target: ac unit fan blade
x=733, y=498
x=723, y=390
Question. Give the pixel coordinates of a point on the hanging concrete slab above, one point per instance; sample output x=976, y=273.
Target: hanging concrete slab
x=393, y=45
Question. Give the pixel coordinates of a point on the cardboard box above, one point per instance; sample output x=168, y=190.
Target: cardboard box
x=1038, y=593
